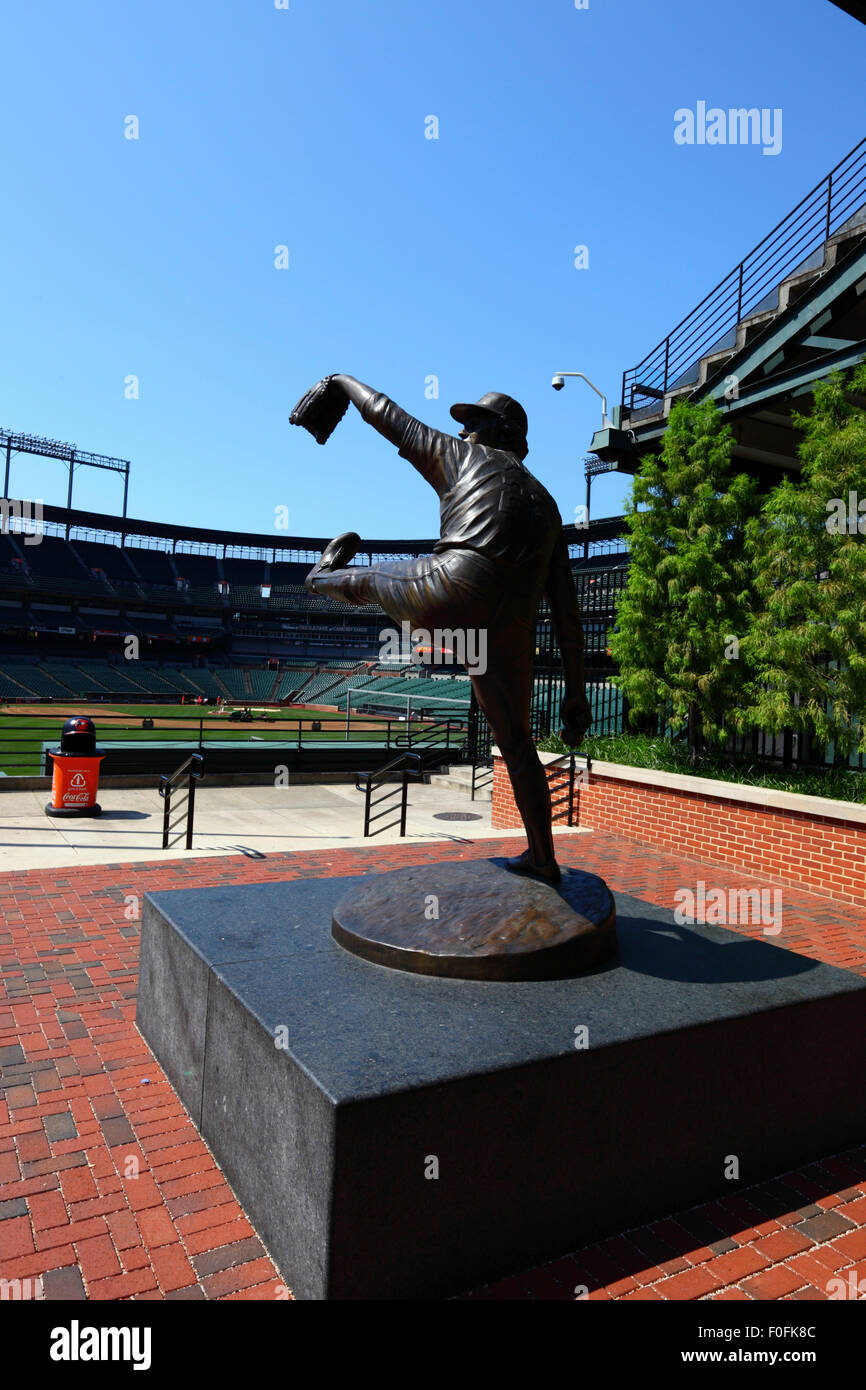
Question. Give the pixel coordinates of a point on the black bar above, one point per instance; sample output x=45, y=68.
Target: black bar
x=190, y=813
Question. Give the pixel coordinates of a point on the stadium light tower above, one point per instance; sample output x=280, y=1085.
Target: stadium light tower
x=592, y=466
x=14, y=442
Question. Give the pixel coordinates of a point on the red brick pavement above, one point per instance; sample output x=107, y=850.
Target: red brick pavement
x=108, y=1191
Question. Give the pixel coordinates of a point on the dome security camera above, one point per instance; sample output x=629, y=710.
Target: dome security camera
x=557, y=383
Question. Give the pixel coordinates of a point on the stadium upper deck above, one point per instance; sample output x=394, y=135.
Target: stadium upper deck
x=94, y=576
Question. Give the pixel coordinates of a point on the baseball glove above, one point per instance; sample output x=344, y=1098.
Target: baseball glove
x=321, y=409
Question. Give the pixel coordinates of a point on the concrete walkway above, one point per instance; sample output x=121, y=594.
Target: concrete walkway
x=265, y=820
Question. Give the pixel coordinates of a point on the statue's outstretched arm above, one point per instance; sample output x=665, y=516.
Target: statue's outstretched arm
x=358, y=393
x=435, y=455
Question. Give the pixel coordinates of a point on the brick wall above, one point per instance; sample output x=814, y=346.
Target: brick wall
x=821, y=853
x=505, y=815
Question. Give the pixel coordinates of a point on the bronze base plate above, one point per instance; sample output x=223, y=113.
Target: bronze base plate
x=478, y=921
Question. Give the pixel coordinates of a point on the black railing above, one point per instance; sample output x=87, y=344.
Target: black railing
x=370, y=782
x=431, y=735
x=562, y=789
x=23, y=736
x=193, y=771
x=787, y=248
x=482, y=775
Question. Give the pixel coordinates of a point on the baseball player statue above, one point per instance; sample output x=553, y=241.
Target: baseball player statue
x=501, y=549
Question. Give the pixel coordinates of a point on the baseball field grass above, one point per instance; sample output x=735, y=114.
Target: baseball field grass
x=24, y=730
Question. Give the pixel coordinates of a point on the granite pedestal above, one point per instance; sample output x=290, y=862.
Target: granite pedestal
x=398, y=1136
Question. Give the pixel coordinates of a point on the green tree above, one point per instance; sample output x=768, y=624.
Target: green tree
x=685, y=606
x=806, y=646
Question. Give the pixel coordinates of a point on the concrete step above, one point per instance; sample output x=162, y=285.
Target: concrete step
x=459, y=779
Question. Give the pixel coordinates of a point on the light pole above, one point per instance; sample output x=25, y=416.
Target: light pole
x=559, y=381
x=592, y=465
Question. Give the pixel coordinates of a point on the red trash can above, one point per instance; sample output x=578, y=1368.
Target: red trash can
x=76, y=770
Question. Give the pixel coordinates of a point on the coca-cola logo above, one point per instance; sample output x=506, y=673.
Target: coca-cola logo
x=69, y=797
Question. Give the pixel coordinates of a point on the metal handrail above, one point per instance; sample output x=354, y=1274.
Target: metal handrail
x=792, y=241
x=193, y=770
x=373, y=780
x=568, y=794
x=487, y=764
x=427, y=734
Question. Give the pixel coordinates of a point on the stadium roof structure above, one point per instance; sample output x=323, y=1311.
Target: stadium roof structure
x=855, y=8
x=792, y=311
x=277, y=544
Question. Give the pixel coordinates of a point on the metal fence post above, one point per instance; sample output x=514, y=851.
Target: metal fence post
x=190, y=809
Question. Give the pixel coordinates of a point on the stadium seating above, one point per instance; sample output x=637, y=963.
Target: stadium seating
x=152, y=566
x=171, y=677
x=318, y=685
x=116, y=679
x=108, y=558
x=51, y=599
x=167, y=682
x=245, y=572
x=235, y=683
x=337, y=696
x=11, y=561
x=11, y=688
x=153, y=681
x=197, y=570
x=53, y=557
x=314, y=685
x=291, y=680
x=262, y=683
x=245, y=594
x=202, y=682
x=79, y=680
x=291, y=573
x=34, y=681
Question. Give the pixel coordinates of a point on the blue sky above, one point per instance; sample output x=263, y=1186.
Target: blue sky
x=408, y=257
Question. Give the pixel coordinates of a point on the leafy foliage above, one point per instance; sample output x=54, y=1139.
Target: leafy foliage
x=686, y=604
x=806, y=647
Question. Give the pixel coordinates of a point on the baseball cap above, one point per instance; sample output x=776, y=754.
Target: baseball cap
x=494, y=403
